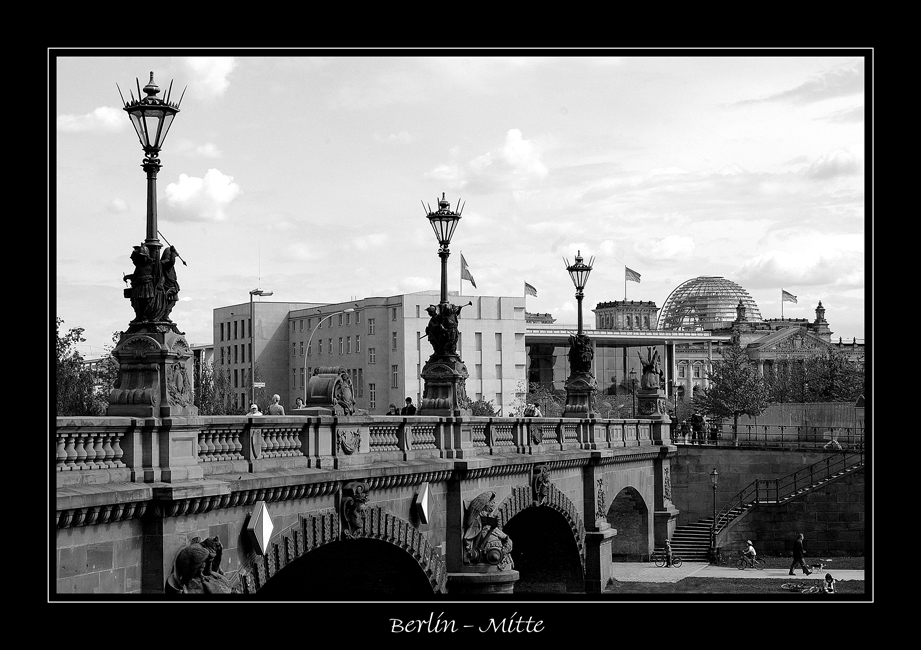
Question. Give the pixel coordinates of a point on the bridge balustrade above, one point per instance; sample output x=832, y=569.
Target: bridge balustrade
x=781, y=437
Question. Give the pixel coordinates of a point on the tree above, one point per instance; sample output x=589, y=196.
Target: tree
x=551, y=402
x=479, y=407
x=212, y=390
x=736, y=388
x=75, y=387
x=821, y=375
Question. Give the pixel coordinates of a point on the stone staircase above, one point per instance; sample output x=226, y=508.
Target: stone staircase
x=692, y=541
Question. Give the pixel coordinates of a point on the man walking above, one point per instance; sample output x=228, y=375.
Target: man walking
x=799, y=557
x=409, y=409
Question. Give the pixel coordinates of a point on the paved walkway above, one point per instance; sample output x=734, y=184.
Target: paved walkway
x=649, y=572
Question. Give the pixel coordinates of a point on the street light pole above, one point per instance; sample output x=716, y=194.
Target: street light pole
x=633, y=389
x=714, y=478
x=310, y=338
x=252, y=341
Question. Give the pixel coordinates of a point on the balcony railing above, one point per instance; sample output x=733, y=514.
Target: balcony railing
x=778, y=437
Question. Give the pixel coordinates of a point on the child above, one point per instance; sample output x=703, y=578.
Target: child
x=829, y=584
x=750, y=553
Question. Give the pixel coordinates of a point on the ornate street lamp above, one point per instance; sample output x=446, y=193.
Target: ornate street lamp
x=714, y=478
x=444, y=374
x=156, y=368
x=252, y=341
x=581, y=384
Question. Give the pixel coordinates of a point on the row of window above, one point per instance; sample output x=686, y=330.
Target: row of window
x=683, y=370
x=236, y=353
x=239, y=330
x=608, y=321
x=344, y=319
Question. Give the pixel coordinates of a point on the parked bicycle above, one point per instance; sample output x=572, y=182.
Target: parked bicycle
x=743, y=562
x=659, y=559
x=721, y=559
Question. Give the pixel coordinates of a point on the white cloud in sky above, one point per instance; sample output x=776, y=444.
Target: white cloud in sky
x=513, y=166
x=836, y=163
x=671, y=247
x=211, y=73
x=117, y=206
x=201, y=199
x=371, y=240
x=102, y=119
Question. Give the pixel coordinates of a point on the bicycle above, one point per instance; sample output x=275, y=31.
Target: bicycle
x=801, y=587
x=742, y=562
x=721, y=559
x=659, y=559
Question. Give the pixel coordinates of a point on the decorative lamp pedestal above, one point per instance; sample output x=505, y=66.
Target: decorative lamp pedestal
x=445, y=378
x=580, y=394
x=651, y=404
x=155, y=374
x=482, y=580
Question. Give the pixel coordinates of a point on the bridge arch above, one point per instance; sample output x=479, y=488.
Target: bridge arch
x=316, y=541
x=548, y=539
x=629, y=515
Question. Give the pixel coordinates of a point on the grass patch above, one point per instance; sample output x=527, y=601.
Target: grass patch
x=761, y=587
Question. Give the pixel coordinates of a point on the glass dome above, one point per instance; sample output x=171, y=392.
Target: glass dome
x=704, y=304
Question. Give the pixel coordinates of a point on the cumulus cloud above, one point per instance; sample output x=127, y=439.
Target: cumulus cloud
x=515, y=166
x=838, y=263
x=102, y=119
x=836, y=163
x=201, y=199
x=369, y=241
x=211, y=73
x=191, y=148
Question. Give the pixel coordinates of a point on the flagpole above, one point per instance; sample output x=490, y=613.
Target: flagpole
x=625, y=283
x=460, y=289
x=781, y=304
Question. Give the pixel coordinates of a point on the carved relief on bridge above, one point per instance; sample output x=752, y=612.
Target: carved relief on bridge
x=352, y=501
x=315, y=530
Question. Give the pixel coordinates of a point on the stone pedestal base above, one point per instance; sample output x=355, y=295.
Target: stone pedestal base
x=580, y=395
x=445, y=378
x=482, y=581
x=598, y=568
x=155, y=374
x=651, y=405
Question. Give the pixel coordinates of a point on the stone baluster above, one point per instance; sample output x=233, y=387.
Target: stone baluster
x=79, y=448
x=60, y=452
x=99, y=454
x=107, y=451
x=222, y=446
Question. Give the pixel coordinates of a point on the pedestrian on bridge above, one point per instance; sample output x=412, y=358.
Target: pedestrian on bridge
x=275, y=408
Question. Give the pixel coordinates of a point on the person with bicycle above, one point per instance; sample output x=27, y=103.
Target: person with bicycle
x=668, y=553
x=749, y=553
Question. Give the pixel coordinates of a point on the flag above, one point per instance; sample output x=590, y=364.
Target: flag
x=631, y=275
x=787, y=296
x=465, y=272
x=529, y=290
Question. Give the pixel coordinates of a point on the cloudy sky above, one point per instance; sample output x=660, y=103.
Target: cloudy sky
x=306, y=175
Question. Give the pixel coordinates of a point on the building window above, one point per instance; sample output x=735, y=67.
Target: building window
x=478, y=371
x=222, y=331
x=235, y=329
x=319, y=346
x=498, y=342
x=394, y=376
x=235, y=354
x=372, y=396
x=341, y=348
x=358, y=343
x=498, y=371
x=629, y=322
x=372, y=356
x=682, y=372
x=348, y=318
x=357, y=317
x=370, y=326
x=348, y=345
x=302, y=348
x=236, y=378
x=222, y=355
x=309, y=345
x=340, y=320
x=294, y=349
x=394, y=337
x=302, y=377
x=697, y=371
x=250, y=346
x=393, y=313
x=309, y=323
x=478, y=340
x=330, y=346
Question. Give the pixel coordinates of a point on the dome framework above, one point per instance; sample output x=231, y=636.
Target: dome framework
x=705, y=303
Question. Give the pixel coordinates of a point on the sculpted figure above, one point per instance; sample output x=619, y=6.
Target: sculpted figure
x=652, y=372
x=144, y=283
x=196, y=569
x=170, y=283
x=344, y=394
x=581, y=354
x=484, y=541
x=442, y=327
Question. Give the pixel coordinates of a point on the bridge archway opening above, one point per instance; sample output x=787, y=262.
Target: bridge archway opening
x=544, y=552
x=630, y=516
x=348, y=570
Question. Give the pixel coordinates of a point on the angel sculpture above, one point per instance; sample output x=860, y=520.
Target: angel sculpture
x=484, y=541
x=652, y=372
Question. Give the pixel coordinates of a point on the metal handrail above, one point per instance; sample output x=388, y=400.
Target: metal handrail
x=786, y=487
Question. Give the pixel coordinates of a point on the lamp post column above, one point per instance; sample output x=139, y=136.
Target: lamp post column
x=252, y=350
x=714, y=479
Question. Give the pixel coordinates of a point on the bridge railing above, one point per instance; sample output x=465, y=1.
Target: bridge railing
x=129, y=449
x=779, y=437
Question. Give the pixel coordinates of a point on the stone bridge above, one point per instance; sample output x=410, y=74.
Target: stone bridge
x=357, y=507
